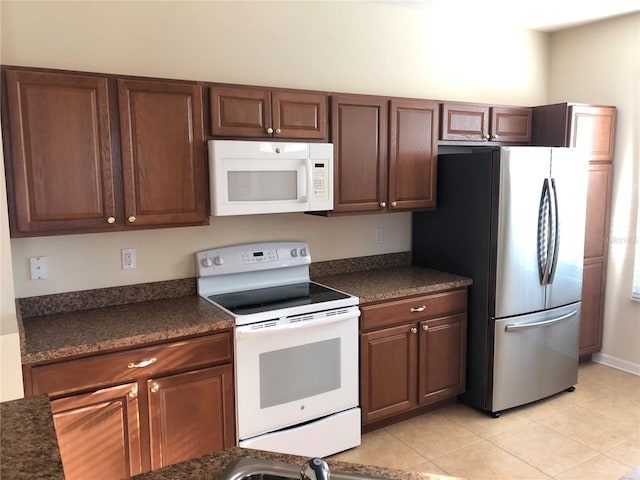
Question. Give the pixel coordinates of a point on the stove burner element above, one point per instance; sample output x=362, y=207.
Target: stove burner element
x=273, y=298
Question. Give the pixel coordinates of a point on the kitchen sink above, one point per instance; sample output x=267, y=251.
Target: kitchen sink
x=245, y=468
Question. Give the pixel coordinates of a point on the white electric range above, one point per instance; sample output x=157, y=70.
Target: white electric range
x=296, y=348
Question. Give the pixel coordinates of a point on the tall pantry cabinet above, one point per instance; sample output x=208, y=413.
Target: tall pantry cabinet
x=592, y=129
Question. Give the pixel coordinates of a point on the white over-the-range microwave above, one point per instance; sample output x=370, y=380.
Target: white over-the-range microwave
x=252, y=177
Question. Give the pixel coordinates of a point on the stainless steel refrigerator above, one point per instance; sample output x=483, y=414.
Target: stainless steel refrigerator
x=513, y=220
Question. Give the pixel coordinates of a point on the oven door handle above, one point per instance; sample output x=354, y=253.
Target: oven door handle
x=246, y=331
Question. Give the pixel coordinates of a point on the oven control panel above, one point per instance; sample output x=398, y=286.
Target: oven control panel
x=252, y=257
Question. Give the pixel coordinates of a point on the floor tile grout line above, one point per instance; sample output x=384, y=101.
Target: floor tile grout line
x=587, y=404
x=431, y=460
x=580, y=441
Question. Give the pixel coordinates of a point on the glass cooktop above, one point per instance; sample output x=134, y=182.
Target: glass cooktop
x=276, y=298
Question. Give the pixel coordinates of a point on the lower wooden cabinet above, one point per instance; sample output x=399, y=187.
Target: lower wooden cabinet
x=147, y=407
x=99, y=433
x=190, y=414
x=418, y=359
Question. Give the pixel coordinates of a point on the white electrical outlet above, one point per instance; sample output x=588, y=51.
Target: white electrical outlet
x=379, y=235
x=39, y=268
x=128, y=258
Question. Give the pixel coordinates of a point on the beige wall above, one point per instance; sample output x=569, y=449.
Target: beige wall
x=316, y=45
x=362, y=47
x=10, y=378
x=600, y=63
x=10, y=371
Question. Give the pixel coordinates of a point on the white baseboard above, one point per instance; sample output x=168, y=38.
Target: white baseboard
x=615, y=362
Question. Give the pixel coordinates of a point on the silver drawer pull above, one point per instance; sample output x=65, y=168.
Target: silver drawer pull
x=142, y=364
x=418, y=309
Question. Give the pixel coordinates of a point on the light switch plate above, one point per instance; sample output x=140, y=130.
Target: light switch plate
x=39, y=268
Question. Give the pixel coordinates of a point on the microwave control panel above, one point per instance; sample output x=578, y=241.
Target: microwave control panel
x=320, y=174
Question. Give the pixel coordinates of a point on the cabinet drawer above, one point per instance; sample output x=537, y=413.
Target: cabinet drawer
x=413, y=308
x=120, y=367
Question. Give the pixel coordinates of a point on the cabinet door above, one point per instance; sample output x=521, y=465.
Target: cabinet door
x=99, y=433
x=60, y=169
x=413, y=154
x=240, y=112
x=299, y=115
x=359, y=135
x=592, y=312
x=388, y=369
x=464, y=122
x=191, y=414
x=596, y=245
x=593, y=129
x=442, y=357
x=511, y=124
x=163, y=157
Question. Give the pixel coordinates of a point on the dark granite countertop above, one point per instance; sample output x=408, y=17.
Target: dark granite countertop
x=212, y=466
x=62, y=335
x=28, y=443
x=78, y=323
x=394, y=282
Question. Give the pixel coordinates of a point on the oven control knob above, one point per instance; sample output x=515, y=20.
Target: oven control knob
x=207, y=262
x=218, y=260
x=303, y=252
x=294, y=252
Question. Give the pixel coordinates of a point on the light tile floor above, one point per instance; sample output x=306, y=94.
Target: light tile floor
x=592, y=433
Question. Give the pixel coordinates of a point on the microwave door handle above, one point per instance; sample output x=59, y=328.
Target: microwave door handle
x=307, y=183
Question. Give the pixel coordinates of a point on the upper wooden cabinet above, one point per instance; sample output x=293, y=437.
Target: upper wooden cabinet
x=259, y=113
x=66, y=172
x=482, y=123
x=588, y=127
x=359, y=136
x=413, y=154
x=58, y=153
x=163, y=153
x=385, y=153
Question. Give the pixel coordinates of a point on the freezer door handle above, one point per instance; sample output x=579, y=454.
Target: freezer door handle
x=513, y=327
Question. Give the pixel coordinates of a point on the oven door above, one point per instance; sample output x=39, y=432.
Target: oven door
x=295, y=370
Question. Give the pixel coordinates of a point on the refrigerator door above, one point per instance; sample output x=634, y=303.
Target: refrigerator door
x=569, y=172
x=523, y=171
x=535, y=356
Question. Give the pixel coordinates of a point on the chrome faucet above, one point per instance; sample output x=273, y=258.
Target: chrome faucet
x=315, y=469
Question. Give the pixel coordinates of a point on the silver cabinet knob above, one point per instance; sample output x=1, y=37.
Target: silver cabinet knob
x=269, y=130
x=131, y=219
x=394, y=204
x=383, y=204
x=111, y=220
x=495, y=137
x=414, y=330
x=488, y=137
x=278, y=131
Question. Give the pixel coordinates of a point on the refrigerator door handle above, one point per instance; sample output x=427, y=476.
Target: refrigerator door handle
x=513, y=327
x=544, y=233
x=554, y=233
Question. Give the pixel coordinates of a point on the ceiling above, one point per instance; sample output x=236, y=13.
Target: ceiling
x=542, y=15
